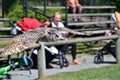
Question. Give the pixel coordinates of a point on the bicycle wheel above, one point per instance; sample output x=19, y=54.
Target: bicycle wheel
x=26, y=64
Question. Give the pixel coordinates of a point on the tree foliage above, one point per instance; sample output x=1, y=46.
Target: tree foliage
x=117, y=4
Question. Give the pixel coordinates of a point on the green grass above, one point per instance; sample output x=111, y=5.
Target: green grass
x=4, y=43
x=103, y=73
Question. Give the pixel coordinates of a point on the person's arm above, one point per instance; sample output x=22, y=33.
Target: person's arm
x=46, y=23
x=63, y=33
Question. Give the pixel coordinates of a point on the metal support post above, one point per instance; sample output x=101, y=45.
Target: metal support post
x=45, y=7
x=66, y=7
x=25, y=8
x=3, y=8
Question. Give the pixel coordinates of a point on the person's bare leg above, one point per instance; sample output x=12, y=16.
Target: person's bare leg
x=74, y=12
x=79, y=7
x=73, y=51
x=73, y=7
x=76, y=1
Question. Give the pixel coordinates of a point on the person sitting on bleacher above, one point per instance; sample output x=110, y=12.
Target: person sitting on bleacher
x=57, y=23
x=75, y=5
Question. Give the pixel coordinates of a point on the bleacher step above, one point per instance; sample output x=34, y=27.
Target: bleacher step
x=84, y=7
x=4, y=19
x=89, y=14
x=89, y=23
x=5, y=28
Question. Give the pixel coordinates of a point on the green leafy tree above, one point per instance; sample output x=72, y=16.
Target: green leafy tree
x=117, y=4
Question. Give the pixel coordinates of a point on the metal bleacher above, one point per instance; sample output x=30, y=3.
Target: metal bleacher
x=95, y=22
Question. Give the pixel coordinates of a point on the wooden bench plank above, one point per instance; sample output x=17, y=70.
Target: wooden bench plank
x=90, y=14
x=88, y=29
x=4, y=19
x=89, y=23
x=72, y=24
x=93, y=31
x=6, y=39
x=87, y=14
x=96, y=49
x=97, y=31
x=5, y=29
x=99, y=7
x=84, y=7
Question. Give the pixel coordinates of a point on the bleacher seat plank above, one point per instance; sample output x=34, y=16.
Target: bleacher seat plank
x=5, y=29
x=6, y=39
x=90, y=14
x=93, y=31
x=97, y=31
x=90, y=23
x=84, y=7
x=99, y=7
x=4, y=19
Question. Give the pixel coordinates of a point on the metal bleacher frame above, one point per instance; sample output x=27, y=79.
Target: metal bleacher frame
x=84, y=23
x=34, y=8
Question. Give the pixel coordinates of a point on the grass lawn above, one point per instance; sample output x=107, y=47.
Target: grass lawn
x=103, y=73
x=4, y=43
